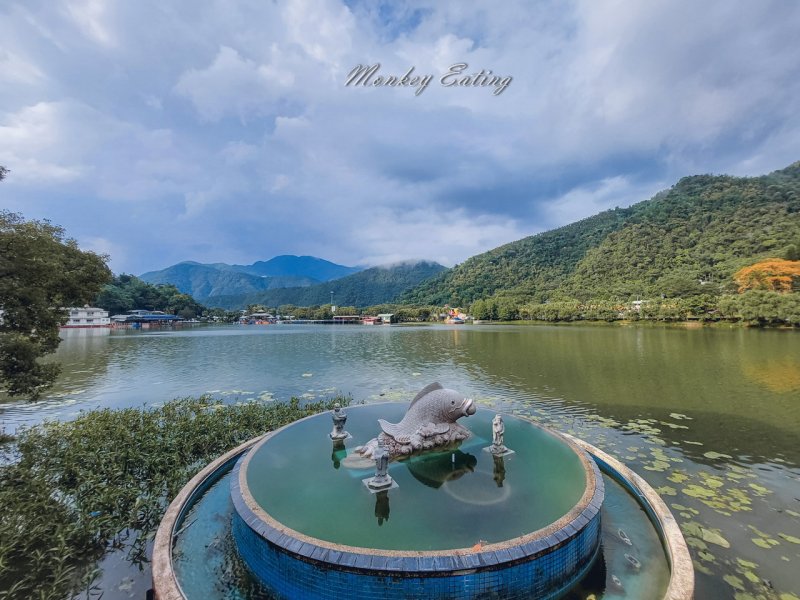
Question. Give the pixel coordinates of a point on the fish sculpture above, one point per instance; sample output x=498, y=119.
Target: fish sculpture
x=429, y=422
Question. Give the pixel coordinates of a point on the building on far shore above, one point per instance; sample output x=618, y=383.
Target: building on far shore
x=87, y=317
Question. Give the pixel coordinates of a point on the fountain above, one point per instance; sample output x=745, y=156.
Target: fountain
x=517, y=518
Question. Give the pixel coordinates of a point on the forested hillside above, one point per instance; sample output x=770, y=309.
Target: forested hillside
x=694, y=238
x=206, y=281
x=373, y=286
x=127, y=292
x=685, y=241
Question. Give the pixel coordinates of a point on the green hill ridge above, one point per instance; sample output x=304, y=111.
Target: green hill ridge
x=684, y=241
x=377, y=285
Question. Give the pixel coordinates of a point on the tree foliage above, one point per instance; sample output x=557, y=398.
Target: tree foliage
x=128, y=292
x=41, y=274
x=686, y=241
x=773, y=274
x=371, y=286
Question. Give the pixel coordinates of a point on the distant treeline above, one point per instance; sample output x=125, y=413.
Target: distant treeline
x=128, y=292
x=753, y=307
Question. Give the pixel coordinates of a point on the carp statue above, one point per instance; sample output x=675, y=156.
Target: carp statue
x=429, y=422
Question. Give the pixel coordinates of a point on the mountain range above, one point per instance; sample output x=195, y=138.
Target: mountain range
x=377, y=285
x=684, y=241
x=207, y=281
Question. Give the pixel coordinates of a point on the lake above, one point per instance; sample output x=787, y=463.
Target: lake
x=710, y=417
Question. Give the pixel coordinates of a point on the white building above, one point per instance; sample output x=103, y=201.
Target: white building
x=87, y=317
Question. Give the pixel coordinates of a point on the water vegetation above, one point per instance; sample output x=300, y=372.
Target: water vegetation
x=71, y=491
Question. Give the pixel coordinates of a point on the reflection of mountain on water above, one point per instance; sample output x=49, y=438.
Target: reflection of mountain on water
x=436, y=468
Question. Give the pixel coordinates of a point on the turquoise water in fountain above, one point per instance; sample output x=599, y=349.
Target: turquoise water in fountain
x=208, y=567
x=443, y=501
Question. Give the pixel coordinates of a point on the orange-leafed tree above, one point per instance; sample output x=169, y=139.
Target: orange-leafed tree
x=775, y=274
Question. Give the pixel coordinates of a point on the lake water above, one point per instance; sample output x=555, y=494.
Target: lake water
x=710, y=417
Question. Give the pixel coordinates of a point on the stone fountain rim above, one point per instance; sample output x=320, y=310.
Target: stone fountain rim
x=532, y=544
x=681, y=582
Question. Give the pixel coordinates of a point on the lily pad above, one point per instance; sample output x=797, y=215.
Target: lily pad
x=677, y=477
x=679, y=417
x=698, y=491
x=746, y=563
x=697, y=543
x=715, y=455
x=657, y=465
x=706, y=556
x=760, y=489
x=713, y=536
x=752, y=577
x=734, y=582
x=701, y=568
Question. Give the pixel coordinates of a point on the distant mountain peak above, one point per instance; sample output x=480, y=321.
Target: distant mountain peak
x=204, y=280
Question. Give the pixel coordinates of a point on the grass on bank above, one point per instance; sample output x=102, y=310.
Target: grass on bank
x=72, y=490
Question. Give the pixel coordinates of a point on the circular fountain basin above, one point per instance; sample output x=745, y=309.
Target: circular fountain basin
x=460, y=524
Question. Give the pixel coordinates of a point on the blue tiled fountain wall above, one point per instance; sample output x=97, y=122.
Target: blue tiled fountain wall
x=542, y=568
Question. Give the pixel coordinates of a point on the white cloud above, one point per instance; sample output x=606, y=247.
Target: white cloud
x=89, y=16
x=15, y=70
x=322, y=28
x=203, y=113
x=587, y=200
x=234, y=85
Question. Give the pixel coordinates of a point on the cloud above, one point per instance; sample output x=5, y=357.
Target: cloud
x=233, y=85
x=587, y=200
x=89, y=16
x=224, y=132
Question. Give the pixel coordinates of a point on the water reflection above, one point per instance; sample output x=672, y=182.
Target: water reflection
x=499, y=470
x=382, y=506
x=338, y=453
x=437, y=468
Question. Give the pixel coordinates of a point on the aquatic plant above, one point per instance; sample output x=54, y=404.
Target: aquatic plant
x=70, y=491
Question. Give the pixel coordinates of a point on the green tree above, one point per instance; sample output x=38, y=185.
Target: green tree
x=41, y=274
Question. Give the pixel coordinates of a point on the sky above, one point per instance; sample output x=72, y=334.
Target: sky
x=226, y=131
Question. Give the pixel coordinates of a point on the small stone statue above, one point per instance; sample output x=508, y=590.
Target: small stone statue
x=498, y=430
x=498, y=448
x=382, y=479
x=339, y=419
